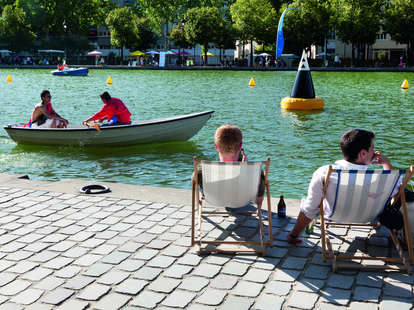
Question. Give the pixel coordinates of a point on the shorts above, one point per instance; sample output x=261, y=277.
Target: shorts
x=46, y=124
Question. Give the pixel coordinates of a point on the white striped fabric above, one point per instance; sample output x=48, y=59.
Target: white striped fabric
x=361, y=195
x=230, y=184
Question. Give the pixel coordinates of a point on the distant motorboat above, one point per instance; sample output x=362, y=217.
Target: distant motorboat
x=169, y=129
x=71, y=71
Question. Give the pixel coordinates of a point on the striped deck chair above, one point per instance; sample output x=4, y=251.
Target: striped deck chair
x=361, y=195
x=229, y=185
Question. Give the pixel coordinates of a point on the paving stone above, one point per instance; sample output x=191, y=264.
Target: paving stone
x=164, y=285
x=19, y=255
x=335, y=296
x=131, y=265
x=37, y=247
x=57, y=296
x=74, y=304
x=58, y=263
x=363, y=293
x=37, y=274
x=6, y=278
x=28, y=296
x=369, y=279
x=309, y=285
x=81, y=236
x=145, y=238
x=235, y=302
x=326, y=306
x=5, y=264
x=158, y=244
x=54, y=238
x=278, y=287
x=286, y=275
x=212, y=297
x=75, y=252
x=130, y=247
x=179, y=299
x=190, y=259
x=49, y=283
x=44, y=256
x=112, y=301
x=146, y=254
x=340, y=281
x=131, y=286
x=175, y=251
x=363, y=305
x=78, y=282
x=317, y=272
x=317, y=259
x=303, y=300
x=147, y=299
x=161, y=261
x=268, y=301
x=22, y=267
x=147, y=273
x=62, y=246
x=392, y=303
x=41, y=306
x=257, y=275
x=91, y=243
x=300, y=252
x=396, y=289
x=97, y=270
x=68, y=272
x=115, y=257
x=195, y=284
x=14, y=287
x=113, y=277
x=94, y=292
x=10, y=306
x=294, y=263
x=399, y=277
x=247, y=289
x=234, y=268
x=177, y=271
x=87, y=260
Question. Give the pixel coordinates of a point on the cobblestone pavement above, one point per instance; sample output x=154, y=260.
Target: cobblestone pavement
x=65, y=251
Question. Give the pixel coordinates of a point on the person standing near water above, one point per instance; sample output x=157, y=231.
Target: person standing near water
x=114, y=111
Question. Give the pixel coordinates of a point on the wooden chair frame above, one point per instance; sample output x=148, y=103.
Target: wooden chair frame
x=327, y=247
x=197, y=206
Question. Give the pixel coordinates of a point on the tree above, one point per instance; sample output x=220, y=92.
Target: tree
x=308, y=24
x=162, y=13
x=358, y=23
x=201, y=26
x=122, y=24
x=255, y=20
x=398, y=18
x=15, y=30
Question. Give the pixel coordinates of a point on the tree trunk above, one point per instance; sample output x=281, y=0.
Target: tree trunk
x=205, y=54
x=122, y=55
x=352, y=56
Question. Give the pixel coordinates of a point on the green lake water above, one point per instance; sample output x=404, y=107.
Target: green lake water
x=297, y=143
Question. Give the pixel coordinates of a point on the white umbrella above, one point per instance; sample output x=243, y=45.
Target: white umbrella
x=95, y=53
x=152, y=52
x=264, y=54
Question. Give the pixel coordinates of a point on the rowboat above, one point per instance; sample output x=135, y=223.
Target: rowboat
x=71, y=72
x=174, y=128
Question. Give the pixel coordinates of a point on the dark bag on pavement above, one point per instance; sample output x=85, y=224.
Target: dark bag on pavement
x=392, y=217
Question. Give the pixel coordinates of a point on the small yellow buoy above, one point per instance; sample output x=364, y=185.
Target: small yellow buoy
x=405, y=85
x=109, y=80
x=252, y=83
x=8, y=79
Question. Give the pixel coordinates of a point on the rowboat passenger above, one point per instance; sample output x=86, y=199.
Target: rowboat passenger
x=43, y=115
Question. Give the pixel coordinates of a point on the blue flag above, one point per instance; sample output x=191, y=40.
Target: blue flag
x=280, y=41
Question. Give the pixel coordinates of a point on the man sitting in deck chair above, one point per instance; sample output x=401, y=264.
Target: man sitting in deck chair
x=228, y=143
x=334, y=189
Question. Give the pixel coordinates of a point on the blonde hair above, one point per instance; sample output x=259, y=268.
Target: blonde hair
x=228, y=139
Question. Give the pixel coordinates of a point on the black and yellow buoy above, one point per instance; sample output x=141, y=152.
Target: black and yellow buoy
x=303, y=96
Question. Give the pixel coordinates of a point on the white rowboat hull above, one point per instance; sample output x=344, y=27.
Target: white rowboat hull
x=175, y=128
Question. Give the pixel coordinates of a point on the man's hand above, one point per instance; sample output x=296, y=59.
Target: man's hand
x=380, y=159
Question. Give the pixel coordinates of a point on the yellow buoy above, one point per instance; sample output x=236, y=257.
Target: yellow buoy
x=289, y=103
x=405, y=85
x=109, y=80
x=252, y=83
x=8, y=79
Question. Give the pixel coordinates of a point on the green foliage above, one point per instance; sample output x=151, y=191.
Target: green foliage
x=308, y=24
x=178, y=36
x=255, y=20
x=398, y=19
x=15, y=30
x=358, y=21
x=122, y=24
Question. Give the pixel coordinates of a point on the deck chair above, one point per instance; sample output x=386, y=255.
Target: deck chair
x=361, y=196
x=229, y=185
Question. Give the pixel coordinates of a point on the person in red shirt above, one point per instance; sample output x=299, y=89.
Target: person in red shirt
x=114, y=111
